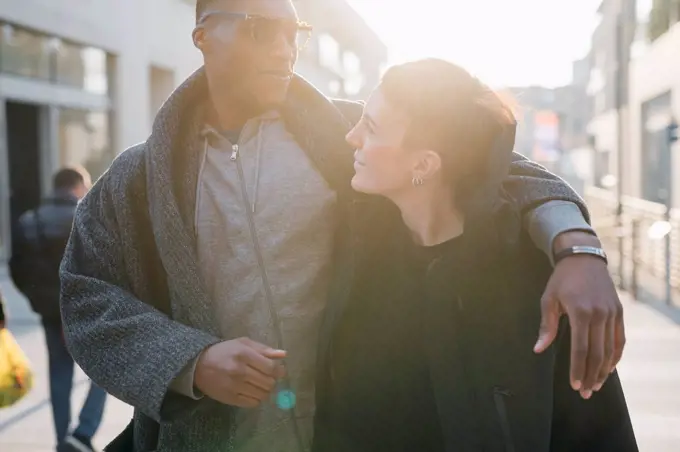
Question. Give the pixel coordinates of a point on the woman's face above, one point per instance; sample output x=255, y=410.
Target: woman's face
x=382, y=165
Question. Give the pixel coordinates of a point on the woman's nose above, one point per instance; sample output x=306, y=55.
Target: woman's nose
x=352, y=138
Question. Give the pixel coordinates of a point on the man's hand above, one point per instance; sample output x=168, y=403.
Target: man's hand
x=240, y=372
x=582, y=288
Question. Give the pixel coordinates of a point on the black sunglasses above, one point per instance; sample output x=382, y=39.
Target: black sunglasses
x=265, y=30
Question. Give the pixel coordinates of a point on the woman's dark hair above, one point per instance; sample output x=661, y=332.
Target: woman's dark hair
x=456, y=115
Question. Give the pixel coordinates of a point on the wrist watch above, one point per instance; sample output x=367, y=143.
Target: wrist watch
x=580, y=250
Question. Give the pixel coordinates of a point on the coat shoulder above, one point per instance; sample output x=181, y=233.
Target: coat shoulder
x=128, y=165
x=350, y=109
x=120, y=187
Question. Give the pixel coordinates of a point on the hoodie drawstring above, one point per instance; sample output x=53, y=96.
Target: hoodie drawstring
x=258, y=160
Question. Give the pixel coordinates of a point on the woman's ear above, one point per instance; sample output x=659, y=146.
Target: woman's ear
x=428, y=164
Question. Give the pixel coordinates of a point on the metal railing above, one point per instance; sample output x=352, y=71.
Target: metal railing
x=650, y=239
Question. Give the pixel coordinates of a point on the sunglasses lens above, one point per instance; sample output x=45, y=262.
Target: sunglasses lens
x=266, y=31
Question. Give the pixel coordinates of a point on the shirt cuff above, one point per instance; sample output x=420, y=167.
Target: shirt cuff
x=184, y=383
x=547, y=221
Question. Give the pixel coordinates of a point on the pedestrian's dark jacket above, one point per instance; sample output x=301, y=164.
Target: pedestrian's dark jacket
x=132, y=255
x=2, y=308
x=477, y=312
x=37, y=250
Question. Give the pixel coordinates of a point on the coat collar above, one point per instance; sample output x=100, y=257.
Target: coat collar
x=173, y=151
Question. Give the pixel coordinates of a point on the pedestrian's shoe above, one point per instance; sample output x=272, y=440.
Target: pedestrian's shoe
x=74, y=443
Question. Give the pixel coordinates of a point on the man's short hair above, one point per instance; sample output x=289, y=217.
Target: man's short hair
x=201, y=7
x=70, y=178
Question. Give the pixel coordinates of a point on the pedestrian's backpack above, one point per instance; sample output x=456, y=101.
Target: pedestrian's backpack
x=34, y=268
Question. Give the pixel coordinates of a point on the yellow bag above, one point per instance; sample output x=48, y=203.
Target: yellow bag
x=16, y=378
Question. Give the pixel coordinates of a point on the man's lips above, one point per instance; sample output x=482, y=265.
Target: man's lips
x=281, y=75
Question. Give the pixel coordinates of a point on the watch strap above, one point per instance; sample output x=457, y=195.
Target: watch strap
x=580, y=250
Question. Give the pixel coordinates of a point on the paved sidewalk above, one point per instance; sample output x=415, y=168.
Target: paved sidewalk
x=27, y=427
x=650, y=372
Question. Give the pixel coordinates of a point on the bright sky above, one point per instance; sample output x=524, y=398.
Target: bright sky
x=504, y=42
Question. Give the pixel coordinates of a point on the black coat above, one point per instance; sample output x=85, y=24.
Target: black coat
x=482, y=314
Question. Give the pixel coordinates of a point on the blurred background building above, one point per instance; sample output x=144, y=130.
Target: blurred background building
x=345, y=57
x=81, y=81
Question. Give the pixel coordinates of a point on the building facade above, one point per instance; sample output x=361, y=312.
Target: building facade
x=539, y=116
x=652, y=165
x=608, y=88
x=649, y=74
x=345, y=57
x=82, y=80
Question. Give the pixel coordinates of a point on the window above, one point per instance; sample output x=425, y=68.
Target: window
x=354, y=80
x=602, y=173
x=24, y=53
x=329, y=52
x=642, y=17
x=81, y=67
x=29, y=54
x=656, y=156
x=84, y=140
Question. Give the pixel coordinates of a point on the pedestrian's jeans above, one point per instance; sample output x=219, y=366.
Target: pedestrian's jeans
x=62, y=368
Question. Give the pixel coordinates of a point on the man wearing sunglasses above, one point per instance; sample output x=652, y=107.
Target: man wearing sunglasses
x=205, y=251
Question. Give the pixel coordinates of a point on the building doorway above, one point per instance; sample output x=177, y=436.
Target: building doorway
x=23, y=155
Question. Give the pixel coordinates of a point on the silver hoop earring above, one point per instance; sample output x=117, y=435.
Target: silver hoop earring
x=417, y=181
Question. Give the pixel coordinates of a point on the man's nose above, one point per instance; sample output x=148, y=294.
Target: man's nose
x=283, y=49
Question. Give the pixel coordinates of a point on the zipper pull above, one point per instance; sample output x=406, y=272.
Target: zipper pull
x=234, y=152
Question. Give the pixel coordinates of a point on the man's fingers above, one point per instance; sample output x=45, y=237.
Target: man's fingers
x=619, y=338
x=274, y=354
x=252, y=391
x=261, y=348
x=259, y=380
x=259, y=362
x=609, y=344
x=550, y=321
x=596, y=351
x=580, y=333
x=244, y=401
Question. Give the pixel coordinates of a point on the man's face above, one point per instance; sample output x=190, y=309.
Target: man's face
x=252, y=45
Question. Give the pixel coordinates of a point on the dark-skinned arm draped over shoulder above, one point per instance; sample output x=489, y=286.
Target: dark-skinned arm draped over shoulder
x=132, y=250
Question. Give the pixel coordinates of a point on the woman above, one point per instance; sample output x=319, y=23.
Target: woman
x=439, y=258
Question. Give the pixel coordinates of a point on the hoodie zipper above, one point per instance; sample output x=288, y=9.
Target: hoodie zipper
x=265, y=282
x=499, y=396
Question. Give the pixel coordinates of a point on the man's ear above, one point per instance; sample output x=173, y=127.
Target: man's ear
x=199, y=36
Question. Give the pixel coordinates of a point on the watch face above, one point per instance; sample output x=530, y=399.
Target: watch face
x=592, y=250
